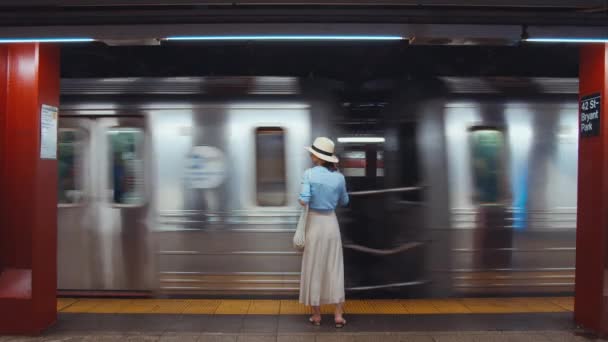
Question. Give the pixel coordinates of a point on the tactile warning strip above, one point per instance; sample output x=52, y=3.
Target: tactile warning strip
x=292, y=307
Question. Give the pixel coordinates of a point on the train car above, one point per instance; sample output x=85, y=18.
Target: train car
x=183, y=185
x=188, y=186
x=499, y=156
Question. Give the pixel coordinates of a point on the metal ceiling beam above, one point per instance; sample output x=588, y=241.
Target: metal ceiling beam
x=423, y=34
x=403, y=15
x=417, y=3
x=429, y=21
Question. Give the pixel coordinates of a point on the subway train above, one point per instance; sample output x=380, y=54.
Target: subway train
x=188, y=186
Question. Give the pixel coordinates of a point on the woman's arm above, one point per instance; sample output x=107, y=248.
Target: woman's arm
x=344, y=194
x=305, y=195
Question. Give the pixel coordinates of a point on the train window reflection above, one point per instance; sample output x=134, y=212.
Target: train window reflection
x=270, y=166
x=69, y=148
x=126, y=165
x=487, y=153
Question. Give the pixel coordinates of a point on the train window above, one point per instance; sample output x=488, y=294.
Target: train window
x=69, y=148
x=354, y=162
x=271, y=178
x=126, y=165
x=380, y=164
x=487, y=153
x=408, y=156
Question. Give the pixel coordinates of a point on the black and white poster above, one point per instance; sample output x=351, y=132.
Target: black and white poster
x=48, y=132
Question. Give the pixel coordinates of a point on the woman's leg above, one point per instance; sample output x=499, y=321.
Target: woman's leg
x=316, y=313
x=339, y=312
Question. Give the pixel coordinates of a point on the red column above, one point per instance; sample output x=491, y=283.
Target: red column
x=29, y=79
x=590, y=308
x=3, y=79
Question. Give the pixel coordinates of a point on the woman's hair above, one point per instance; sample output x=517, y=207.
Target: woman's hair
x=329, y=165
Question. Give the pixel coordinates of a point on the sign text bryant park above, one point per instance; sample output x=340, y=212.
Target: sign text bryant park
x=590, y=115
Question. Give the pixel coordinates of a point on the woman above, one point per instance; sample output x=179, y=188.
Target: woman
x=323, y=189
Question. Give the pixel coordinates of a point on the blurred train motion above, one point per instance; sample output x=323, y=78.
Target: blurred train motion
x=188, y=186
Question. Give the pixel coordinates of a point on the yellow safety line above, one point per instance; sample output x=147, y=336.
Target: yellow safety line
x=292, y=307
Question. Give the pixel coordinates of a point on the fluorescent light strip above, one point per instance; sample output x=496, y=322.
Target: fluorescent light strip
x=361, y=140
x=45, y=40
x=567, y=40
x=287, y=37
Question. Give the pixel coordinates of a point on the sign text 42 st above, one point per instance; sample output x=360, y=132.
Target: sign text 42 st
x=590, y=110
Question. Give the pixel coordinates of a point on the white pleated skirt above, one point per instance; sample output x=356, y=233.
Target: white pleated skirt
x=322, y=279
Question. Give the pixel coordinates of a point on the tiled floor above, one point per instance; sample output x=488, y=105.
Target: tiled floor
x=292, y=307
x=478, y=336
x=543, y=327
x=200, y=320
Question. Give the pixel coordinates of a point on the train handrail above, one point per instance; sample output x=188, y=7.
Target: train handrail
x=385, y=191
x=390, y=285
x=399, y=249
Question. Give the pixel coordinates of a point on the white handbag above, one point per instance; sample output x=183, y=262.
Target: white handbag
x=299, y=239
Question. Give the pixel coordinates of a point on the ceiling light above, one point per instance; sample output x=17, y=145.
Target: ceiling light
x=288, y=37
x=567, y=40
x=350, y=140
x=45, y=40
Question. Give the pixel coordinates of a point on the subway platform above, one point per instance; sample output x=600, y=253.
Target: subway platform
x=486, y=319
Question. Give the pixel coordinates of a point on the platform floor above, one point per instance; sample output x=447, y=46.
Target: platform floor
x=292, y=307
x=196, y=320
x=542, y=327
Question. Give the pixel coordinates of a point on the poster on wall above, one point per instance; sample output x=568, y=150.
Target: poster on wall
x=48, y=132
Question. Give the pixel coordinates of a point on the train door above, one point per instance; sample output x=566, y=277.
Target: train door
x=103, y=204
x=75, y=253
x=384, y=224
x=493, y=239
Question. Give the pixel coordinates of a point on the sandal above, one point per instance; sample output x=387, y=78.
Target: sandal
x=340, y=324
x=314, y=321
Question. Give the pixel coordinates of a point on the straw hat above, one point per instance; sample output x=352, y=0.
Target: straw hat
x=323, y=148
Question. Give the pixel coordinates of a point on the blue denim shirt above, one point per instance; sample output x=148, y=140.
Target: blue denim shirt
x=323, y=190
